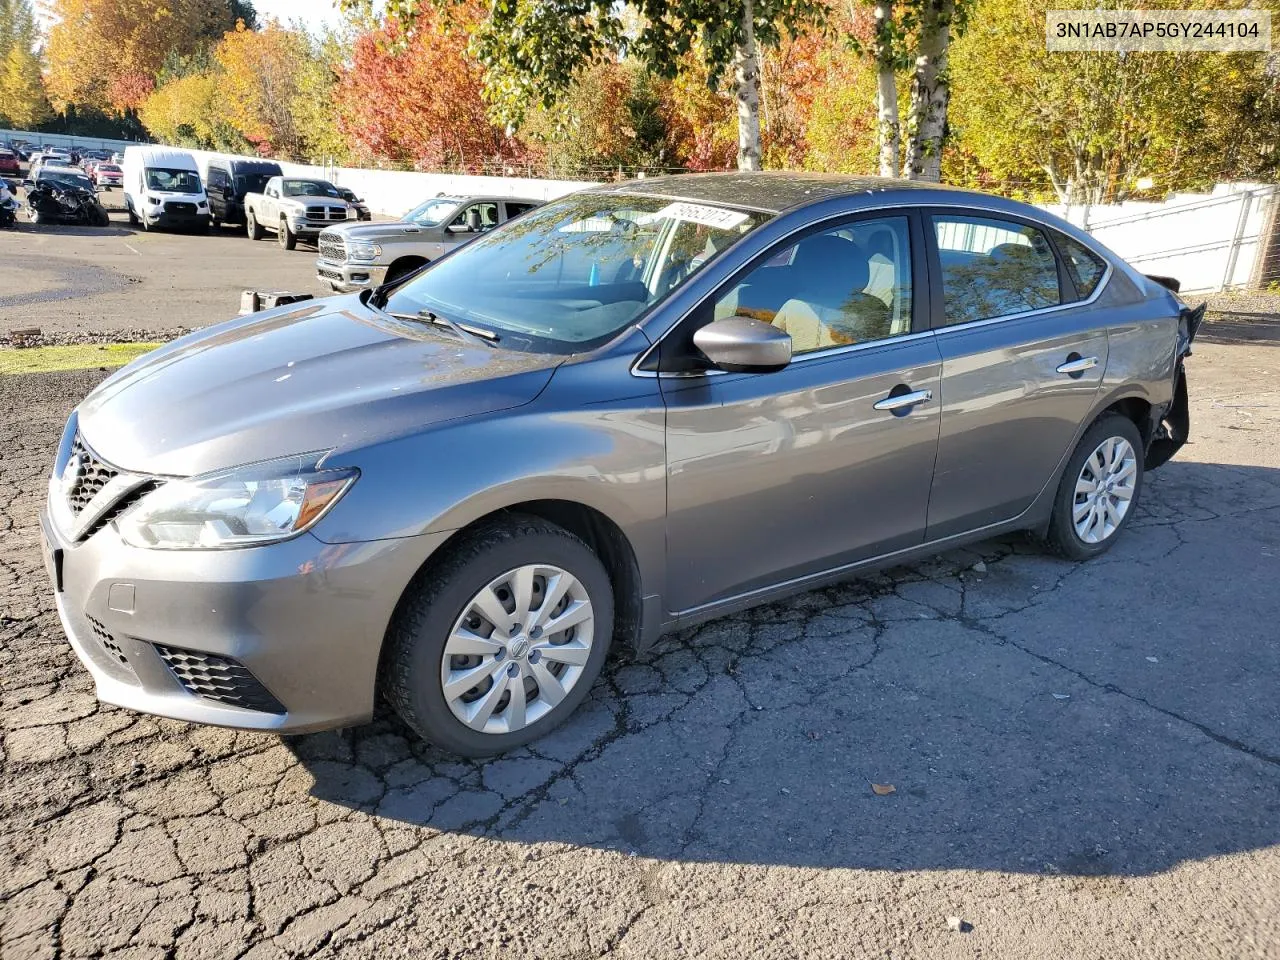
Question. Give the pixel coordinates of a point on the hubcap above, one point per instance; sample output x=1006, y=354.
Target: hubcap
x=518, y=648
x=1104, y=490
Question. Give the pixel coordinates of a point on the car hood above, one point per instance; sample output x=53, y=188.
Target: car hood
x=324, y=374
x=376, y=232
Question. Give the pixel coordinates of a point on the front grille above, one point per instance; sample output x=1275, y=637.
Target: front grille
x=119, y=507
x=180, y=208
x=219, y=678
x=107, y=640
x=326, y=213
x=90, y=477
x=333, y=248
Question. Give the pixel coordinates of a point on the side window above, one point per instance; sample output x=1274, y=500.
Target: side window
x=994, y=268
x=515, y=209
x=1085, y=266
x=848, y=285
x=478, y=216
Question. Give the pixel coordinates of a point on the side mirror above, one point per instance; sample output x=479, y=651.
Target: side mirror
x=744, y=345
x=458, y=228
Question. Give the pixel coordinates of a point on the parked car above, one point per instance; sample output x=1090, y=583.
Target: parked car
x=229, y=179
x=162, y=188
x=634, y=409
x=294, y=208
x=9, y=164
x=354, y=257
x=362, y=210
x=106, y=175
x=63, y=194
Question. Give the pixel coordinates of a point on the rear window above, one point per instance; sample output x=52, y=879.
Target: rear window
x=1085, y=266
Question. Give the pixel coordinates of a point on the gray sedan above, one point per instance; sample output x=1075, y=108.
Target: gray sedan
x=631, y=410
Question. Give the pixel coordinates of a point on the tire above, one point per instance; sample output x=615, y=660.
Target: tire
x=414, y=657
x=252, y=226
x=1113, y=434
x=133, y=217
x=288, y=239
x=33, y=215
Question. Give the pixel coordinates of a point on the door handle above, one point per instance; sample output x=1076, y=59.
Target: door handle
x=1078, y=365
x=904, y=400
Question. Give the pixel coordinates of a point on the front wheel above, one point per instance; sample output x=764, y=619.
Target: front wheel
x=252, y=226
x=1099, y=489
x=499, y=642
x=288, y=239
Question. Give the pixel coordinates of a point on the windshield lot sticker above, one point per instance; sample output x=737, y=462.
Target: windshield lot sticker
x=707, y=216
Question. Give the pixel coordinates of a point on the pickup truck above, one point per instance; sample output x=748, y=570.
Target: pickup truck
x=360, y=255
x=294, y=208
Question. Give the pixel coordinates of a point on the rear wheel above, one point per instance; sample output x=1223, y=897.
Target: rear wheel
x=252, y=226
x=501, y=641
x=1099, y=489
x=288, y=239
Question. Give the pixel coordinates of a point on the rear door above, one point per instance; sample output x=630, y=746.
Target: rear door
x=1023, y=354
x=774, y=476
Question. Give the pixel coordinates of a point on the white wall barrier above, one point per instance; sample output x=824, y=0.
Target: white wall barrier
x=394, y=192
x=64, y=140
x=1209, y=242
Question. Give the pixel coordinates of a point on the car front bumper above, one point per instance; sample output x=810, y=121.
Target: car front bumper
x=281, y=638
x=166, y=219
x=350, y=277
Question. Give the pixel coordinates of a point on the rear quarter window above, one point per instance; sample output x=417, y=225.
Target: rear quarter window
x=1085, y=267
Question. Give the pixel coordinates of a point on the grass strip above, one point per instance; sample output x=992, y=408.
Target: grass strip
x=86, y=356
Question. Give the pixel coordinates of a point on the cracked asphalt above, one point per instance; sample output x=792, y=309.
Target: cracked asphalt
x=1085, y=761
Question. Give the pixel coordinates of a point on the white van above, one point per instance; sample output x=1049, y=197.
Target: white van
x=163, y=188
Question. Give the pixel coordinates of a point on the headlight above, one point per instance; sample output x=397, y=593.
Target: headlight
x=202, y=204
x=246, y=506
x=364, y=251
x=156, y=200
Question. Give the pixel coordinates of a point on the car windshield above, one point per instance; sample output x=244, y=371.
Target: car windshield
x=67, y=179
x=168, y=180
x=253, y=182
x=570, y=275
x=310, y=188
x=432, y=213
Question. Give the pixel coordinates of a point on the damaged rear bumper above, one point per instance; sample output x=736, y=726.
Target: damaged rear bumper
x=1172, y=425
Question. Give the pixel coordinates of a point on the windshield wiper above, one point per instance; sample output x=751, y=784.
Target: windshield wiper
x=471, y=335
x=467, y=333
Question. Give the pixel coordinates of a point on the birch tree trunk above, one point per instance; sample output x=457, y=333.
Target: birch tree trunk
x=888, y=129
x=930, y=91
x=746, y=85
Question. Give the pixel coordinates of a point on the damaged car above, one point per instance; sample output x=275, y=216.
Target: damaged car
x=626, y=412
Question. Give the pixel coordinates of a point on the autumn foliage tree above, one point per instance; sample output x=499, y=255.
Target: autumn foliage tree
x=106, y=53
x=414, y=97
x=23, y=102
x=260, y=80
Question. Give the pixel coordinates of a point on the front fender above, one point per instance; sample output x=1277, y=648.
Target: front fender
x=609, y=457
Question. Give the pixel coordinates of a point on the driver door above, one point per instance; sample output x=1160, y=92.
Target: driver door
x=777, y=476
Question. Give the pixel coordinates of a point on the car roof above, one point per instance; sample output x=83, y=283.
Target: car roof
x=163, y=157
x=60, y=168
x=776, y=191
